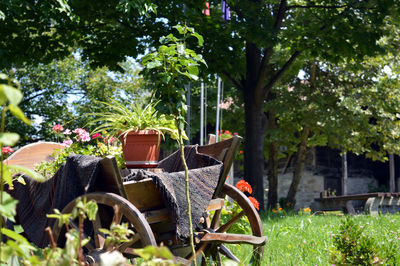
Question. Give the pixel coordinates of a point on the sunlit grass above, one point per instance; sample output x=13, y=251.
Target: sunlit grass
x=307, y=239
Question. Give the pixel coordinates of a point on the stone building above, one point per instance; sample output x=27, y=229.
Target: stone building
x=323, y=172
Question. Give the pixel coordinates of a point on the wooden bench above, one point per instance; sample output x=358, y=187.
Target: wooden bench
x=374, y=203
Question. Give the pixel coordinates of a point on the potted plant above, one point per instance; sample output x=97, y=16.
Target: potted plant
x=139, y=128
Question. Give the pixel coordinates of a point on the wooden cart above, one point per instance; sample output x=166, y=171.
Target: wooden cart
x=140, y=204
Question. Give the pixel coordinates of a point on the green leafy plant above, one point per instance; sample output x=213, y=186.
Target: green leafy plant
x=171, y=67
x=82, y=143
x=16, y=245
x=119, y=119
x=353, y=247
x=152, y=256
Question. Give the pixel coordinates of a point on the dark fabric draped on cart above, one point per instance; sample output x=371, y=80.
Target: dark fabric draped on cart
x=204, y=172
x=75, y=178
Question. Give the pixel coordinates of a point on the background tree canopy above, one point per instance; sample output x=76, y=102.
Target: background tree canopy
x=263, y=45
x=65, y=92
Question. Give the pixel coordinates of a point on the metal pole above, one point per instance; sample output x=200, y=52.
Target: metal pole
x=391, y=176
x=205, y=113
x=218, y=101
x=344, y=173
x=201, y=113
x=189, y=110
x=221, y=126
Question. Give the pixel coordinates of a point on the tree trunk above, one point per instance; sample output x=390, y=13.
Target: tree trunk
x=255, y=124
x=273, y=175
x=254, y=150
x=300, y=162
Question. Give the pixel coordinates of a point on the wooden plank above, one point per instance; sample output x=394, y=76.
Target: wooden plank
x=364, y=196
x=33, y=154
x=232, y=238
x=143, y=194
x=215, y=204
x=156, y=216
x=111, y=180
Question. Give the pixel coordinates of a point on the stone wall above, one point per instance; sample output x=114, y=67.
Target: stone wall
x=312, y=184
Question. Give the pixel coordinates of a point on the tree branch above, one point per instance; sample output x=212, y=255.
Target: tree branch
x=234, y=81
x=269, y=50
x=279, y=73
x=279, y=16
x=318, y=6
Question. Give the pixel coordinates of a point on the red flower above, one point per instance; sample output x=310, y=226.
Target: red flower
x=95, y=136
x=255, y=203
x=7, y=149
x=58, y=128
x=241, y=152
x=244, y=186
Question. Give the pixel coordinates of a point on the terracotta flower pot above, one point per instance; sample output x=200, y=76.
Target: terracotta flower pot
x=141, y=149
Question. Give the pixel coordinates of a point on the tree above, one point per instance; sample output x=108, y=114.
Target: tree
x=351, y=106
x=255, y=49
x=65, y=91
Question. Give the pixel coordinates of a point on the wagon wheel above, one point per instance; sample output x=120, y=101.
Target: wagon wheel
x=110, y=207
x=213, y=245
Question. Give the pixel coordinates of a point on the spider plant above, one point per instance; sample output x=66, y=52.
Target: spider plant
x=119, y=120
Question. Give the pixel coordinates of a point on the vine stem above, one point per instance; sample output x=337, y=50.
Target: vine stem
x=3, y=122
x=189, y=208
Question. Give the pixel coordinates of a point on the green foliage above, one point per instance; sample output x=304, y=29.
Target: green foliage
x=101, y=146
x=119, y=119
x=354, y=248
x=153, y=256
x=242, y=226
x=171, y=67
x=117, y=234
x=65, y=91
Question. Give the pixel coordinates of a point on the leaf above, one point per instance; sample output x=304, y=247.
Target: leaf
x=91, y=210
x=199, y=38
x=11, y=234
x=21, y=180
x=8, y=207
x=17, y=112
x=179, y=28
x=18, y=229
x=13, y=95
x=31, y=173
x=9, y=139
x=7, y=176
x=154, y=64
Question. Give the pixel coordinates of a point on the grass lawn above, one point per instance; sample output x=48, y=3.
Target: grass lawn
x=304, y=239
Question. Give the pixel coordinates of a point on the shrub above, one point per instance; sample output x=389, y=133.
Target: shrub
x=353, y=247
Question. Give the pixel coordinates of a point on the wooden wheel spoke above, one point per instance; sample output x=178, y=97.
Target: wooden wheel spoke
x=227, y=253
x=228, y=225
x=98, y=239
x=124, y=212
x=117, y=214
x=135, y=238
x=89, y=246
x=216, y=256
x=215, y=220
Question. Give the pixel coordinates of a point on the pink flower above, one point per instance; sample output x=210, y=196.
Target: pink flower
x=83, y=135
x=58, y=128
x=67, y=132
x=112, y=140
x=67, y=142
x=7, y=150
x=95, y=136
